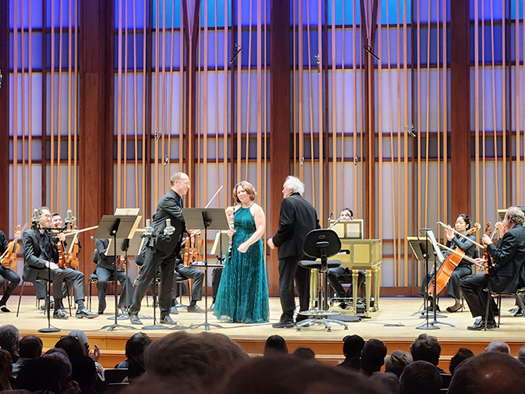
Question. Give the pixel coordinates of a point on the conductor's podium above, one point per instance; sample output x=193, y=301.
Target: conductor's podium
x=365, y=255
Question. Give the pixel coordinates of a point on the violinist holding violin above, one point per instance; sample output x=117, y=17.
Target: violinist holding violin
x=503, y=275
x=7, y=273
x=43, y=252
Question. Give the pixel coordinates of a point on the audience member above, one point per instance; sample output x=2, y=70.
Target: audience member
x=352, y=347
x=134, y=362
x=72, y=346
x=30, y=347
x=9, y=339
x=372, y=356
x=521, y=354
x=305, y=353
x=43, y=374
x=5, y=370
x=94, y=355
x=388, y=380
x=294, y=376
x=489, y=373
x=397, y=361
x=420, y=377
x=461, y=355
x=194, y=361
x=426, y=348
x=275, y=344
x=498, y=346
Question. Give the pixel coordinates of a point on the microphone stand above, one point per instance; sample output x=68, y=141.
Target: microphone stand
x=49, y=328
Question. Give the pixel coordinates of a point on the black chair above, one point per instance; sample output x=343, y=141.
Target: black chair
x=21, y=293
x=518, y=294
x=321, y=244
x=115, y=375
x=93, y=280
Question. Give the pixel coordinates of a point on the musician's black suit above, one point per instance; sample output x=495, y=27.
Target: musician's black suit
x=297, y=218
x=161, y=251
x=509, y=258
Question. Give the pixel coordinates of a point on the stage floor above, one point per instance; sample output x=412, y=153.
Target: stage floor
x=394, y=323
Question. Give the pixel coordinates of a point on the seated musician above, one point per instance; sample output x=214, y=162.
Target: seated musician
x=105, y=271
x=41, y=257
x=7, y=274
x=197, y=277
x=503, y=276
x=339, y=275
x=464, y=268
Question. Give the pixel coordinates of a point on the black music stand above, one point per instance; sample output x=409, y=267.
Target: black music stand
x=207, y=219
x=126, y=247
x=116, y=227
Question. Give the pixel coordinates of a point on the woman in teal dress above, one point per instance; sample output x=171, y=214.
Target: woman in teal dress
x=243, y=290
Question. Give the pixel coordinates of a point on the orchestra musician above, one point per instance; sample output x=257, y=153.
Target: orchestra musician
x=161, y=250
x=41, y=257
x=105, y=271
x=504, y=274
x=339, y=275
x=464, y=268
x=7, y=274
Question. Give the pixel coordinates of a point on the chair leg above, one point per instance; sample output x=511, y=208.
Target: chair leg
x=20, y=298
x=90, y=292
x=68, y=299
x=485, y=322
x=499, y=310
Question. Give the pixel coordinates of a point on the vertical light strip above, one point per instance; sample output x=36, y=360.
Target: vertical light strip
x=205, y=108
x=52, y=202
x=171, y=77
x=427, y=125
x=138, y=202
x=27, y=214
x=15, y=177
x=226, y=100
x=419, y=121
x=519, y=104
x=144, y=132
x=301, y=98
x=265, y=113
x=75, y=112
x=295, y=86
x=118, y=202
x=248, y=90
x=216, y=107
x=355, y=72
x=59, y=109
x=444, y=81
x=440, y=102
x=494, y=113
x=405, y=136
x=476, y=109
x=259, y=98
x=379, y=108
x=310, y=104
x=69, y=100
x=156, y=99
x=125, y=111
x=521, y=86
x=504, y=102
x=23, y=114
x=334, y=114
x=483, y=119
x=238, y=87
x=320, y=107
x=198, y=116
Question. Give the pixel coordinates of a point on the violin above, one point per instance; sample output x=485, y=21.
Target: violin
x=8, y=258
x=489, y=265
x=61, y=255
x=192, y=248
x=72, y=257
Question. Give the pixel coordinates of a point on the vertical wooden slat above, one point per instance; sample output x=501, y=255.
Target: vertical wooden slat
x=333, y=110
x=300, y=103
x=259, y=183
x=15, y=194
x=226, y=100
x=23, y=113
x=59, y=111
x=205, y=108
x=445, y=110
x=494, y=112
x=125, y=112
x=238, y=92
x=310, y=106
x=460, y=116
x=504, y=102
x=69, y=99
x=279, y=117
x=517, y=108
x=139, y=202
x=248, y=92
x=320, y=109
x=27, y=214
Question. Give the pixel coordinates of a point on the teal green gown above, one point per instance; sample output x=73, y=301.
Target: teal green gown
x=243, y=290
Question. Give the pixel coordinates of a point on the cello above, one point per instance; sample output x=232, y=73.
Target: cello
x=449, y=265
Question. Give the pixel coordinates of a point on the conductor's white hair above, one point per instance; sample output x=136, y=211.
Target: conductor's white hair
x=294, y=184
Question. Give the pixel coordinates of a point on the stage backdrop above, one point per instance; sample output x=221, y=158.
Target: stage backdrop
x=405, y=111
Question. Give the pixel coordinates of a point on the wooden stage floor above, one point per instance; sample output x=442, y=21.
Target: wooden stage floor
x=393, y=323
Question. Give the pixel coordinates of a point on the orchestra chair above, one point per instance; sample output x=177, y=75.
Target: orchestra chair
x=93, y=280
x=492, y=294
x=21, y=293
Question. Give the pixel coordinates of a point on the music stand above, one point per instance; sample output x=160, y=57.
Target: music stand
x=116, y=227
x=207, y=219
x=49, y=327
x=126, y=247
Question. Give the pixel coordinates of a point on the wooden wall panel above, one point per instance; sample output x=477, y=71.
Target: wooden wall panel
x=4, y=116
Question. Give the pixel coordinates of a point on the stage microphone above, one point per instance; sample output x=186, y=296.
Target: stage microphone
x=236, y=50
x=36, y=217
x=69, y=217
x=412, y=131
x=148, y=230
x=369, y=50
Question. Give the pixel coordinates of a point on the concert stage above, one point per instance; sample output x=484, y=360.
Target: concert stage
x=394, y=324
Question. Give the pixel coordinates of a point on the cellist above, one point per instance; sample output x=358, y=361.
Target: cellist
x=7, y=273
x=463, y=269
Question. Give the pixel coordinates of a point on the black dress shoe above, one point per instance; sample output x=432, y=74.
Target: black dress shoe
x=195, y=309
x=60, y=314
x=283, y=324
x=300, y=318
x=4, y=308
x=479, y=325
x=134, y=318
x=166, y=319
x=83, y=312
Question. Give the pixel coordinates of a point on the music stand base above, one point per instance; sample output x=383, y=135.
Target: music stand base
x=49, y=329
x=427, y=326
x=431, y=314
x=113, y=327
x=156, y=327
x=206, y=326
x=325, y=321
